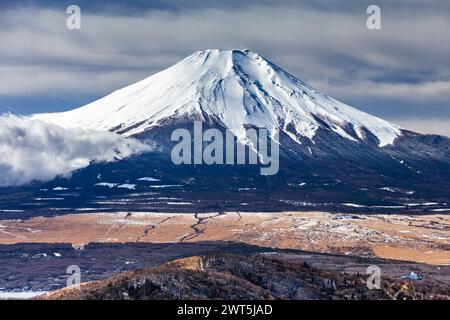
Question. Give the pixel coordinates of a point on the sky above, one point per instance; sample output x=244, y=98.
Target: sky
x=400, y=72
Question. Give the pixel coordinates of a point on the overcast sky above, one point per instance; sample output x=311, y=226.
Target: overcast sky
x=401, y=72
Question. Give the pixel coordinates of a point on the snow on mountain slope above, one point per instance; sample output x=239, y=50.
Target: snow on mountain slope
x=235, y=87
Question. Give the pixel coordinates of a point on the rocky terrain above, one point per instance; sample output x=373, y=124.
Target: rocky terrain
x=257, y=276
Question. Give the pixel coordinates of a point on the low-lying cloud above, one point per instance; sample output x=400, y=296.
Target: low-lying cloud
x=32, y=150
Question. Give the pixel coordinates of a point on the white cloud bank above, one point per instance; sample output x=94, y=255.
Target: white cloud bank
x=426, y=126
x=34, y=150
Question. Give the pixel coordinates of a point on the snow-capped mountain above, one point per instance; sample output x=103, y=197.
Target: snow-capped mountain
x=332, y=156
x=237, y=88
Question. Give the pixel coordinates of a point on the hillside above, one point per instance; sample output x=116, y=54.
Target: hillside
x=260, y=276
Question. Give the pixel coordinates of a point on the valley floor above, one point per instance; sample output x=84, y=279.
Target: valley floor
x=423, y=238
x=34, y=253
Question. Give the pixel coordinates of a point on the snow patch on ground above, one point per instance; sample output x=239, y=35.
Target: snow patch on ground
x=127, y=186
x=21, y=295
x=150, y=179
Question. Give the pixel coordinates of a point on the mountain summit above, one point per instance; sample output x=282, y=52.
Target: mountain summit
x=236, y=88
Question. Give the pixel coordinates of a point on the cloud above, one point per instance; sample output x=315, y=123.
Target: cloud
x=33, y=150
x=317, y=42
x=325, y=42
x=427, y=126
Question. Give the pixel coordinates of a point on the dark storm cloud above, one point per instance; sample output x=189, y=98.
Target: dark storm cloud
x=400, y=72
